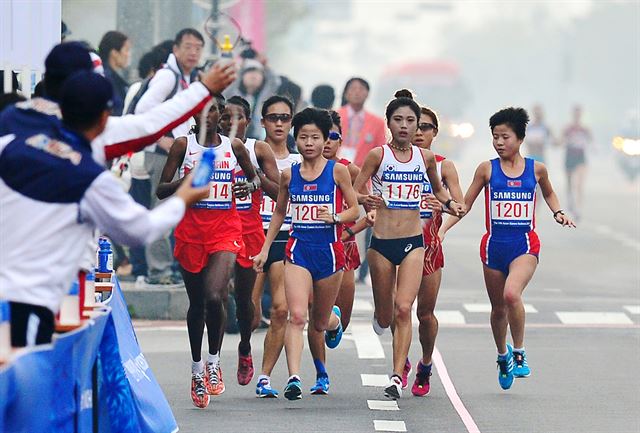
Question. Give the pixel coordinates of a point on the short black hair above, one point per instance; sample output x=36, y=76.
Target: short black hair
x=289, y=89
x=515, y=118
x=323, y=96
x=335, y=118
x=274, y=100
x=403, y=98
x=188, y=31
x=360, y=80
x=241, y=102
x=149, y=62
x=312, y=116
x=163, y=49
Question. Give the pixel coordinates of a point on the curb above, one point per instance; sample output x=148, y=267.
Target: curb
x=154, y=302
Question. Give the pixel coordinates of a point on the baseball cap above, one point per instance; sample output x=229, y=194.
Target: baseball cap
x=66, y=58
x=85, y=95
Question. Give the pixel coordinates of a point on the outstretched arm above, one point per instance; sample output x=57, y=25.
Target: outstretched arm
x=550, y=196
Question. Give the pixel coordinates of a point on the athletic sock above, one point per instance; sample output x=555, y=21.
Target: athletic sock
x=264, y=376
x=503, y=354
x=197, y=367
x=319, y=367
x=293, y=377
x=213, y=359
x=519, y=350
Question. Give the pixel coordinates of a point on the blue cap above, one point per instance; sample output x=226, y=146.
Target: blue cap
x=66, y=58
x=85, y=94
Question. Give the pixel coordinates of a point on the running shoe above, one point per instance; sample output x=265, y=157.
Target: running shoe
x=421, y=385
x=405, y=374
x=322, y=385
x=264, y=390
x=376, y=326
x=245, y=369
x=521, y=367
x=293, y=390
x=505, y=368
x=215, y=383
x=394, y=388
x=332, y=338
x=199, y=395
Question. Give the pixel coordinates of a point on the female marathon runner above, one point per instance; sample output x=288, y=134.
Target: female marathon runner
x=509, y=250
x=431, y=216
x=237, y=114
x=344, y=301
x=207, y=241
x=316, y=189
x=396, y=251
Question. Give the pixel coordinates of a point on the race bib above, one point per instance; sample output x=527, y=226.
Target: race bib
x=511, y=212
x=220, y=191
x=266, y=212
x=425, y=210
x=402, y=190
x=245, y=202
x=305, y=215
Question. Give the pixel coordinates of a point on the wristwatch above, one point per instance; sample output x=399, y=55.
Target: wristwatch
x=336, y=218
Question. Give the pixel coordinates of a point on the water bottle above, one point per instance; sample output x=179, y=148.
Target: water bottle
x=105, y=256
x=204, y=169
x=5, y=331
x=70, y=307
x=89, y=291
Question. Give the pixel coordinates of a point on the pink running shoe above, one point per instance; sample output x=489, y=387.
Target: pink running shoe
x=245, y=369
x=405, y=374
x=421, y=386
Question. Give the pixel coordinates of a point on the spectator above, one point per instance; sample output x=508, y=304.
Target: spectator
x=323, y=96
x=362, y=130
x=174, y=77
x=53, y=193
x=256, y=83
x=115, y=52
x=538, y=135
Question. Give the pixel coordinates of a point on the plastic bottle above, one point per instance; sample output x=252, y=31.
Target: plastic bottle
x=226, y=51
x=70, y=307
x=89, y=291
x=105, y=256
x=204, y=169
x=5, y=331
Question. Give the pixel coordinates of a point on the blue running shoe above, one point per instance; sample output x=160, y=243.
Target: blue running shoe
x=505, y=369
x=332, y=338
x=264, y=390
x=322, y=385
x=521, y=367
x=293, y=390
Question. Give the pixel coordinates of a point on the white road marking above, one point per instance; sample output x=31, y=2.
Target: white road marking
x=374, y=379
x=450, y=317
x=486, y=308
x=593, y=318
x=613, y=235
x=383, y=425
x=362, y=305
x=383, y=405
x=633, y=309
x=367, y=342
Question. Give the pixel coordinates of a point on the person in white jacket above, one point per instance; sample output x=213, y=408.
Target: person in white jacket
x=53, y=194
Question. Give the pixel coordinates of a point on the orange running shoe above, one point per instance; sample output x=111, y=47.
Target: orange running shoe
x=199, y=395
x=215, y=384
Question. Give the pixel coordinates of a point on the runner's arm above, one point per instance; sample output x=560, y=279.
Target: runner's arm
x=270, y=175
x=369, y=167
x=277, y=219
x=167, y=186
x=550, y=196
x=243, y=189
x=480, y=179
x=451, y=180
x=436, y=185
x=343, y=180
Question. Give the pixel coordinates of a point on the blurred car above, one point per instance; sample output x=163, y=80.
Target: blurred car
x=627, y=145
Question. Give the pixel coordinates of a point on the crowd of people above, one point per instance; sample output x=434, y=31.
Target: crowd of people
x=291, y=189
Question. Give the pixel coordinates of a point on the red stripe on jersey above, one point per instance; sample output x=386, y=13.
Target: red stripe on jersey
x=487, y=206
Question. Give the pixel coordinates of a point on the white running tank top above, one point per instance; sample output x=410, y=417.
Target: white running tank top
x=220, y=186
x=245, y=203
x=400, y=183
x=268, y=205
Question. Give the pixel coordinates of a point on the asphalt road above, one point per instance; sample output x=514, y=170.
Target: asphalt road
x=582, y=340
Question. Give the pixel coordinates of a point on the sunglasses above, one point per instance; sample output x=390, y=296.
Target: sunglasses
x=274, y=117
x=333, y=135
x=424, y=127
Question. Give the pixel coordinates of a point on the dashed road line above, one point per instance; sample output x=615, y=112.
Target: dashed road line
x=392, y=426
x=383, y=405
x=593, y=318
x=486, y=308
x=367, y=342
x=379, y=380
x=633, y=309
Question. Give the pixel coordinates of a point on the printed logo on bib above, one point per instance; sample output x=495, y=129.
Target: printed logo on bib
x=305, y=209
x=402, y=189
x=511, y=208
x=220, y=191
